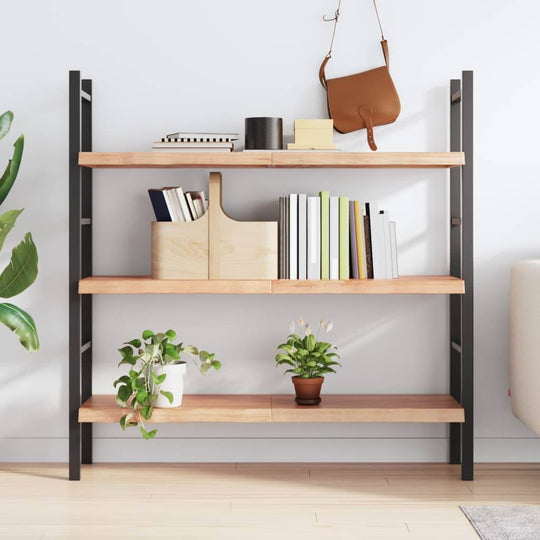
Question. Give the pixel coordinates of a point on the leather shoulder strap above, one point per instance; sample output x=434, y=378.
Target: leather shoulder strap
x=384, y=43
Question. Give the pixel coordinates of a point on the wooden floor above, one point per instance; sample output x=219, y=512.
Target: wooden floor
x=254, y=501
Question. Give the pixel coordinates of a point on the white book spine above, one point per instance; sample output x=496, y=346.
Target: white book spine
x=314, y=237
x=387, y=245
x=172, y=205
x=302, y=236
x=334, y=237
x=393, y=245
x=377, y=248
x=293, y=236
x=183, y=204
x=192, y=208
x=198, y=207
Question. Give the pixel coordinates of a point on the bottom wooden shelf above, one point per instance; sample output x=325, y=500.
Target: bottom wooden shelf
x=282, y=408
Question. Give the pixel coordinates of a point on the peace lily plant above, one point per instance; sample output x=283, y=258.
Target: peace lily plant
x=309, y=358
x=22, y=269
x=156, y=376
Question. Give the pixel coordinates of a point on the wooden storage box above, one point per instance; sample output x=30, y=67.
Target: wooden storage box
x=180, y=250
x=214, y=246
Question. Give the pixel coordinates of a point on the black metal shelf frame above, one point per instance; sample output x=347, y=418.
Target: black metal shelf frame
x=461, y=266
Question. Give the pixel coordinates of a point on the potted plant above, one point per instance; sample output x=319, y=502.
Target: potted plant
x=22, y=269
x=309, y=360
x=156, y=376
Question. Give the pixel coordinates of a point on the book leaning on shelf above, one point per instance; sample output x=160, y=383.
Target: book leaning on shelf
x=173, y=204
x=329, y=237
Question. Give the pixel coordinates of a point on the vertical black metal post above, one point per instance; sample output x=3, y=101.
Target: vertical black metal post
x=467, y=343
x=455, y=265
x=74, y=275
x=86, y=264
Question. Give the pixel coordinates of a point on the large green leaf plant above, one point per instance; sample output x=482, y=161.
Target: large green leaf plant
x=22, y=269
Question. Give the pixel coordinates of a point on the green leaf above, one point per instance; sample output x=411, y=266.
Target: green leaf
x=120, y=402
x=22, y=270
x=171, y=334
x=216, y=364
x=282, y=356
x=148, y=435
x=7, y=222
x=134, y=343
x=204, y=355
x=147, y=411
x=124, y=392
x=123, y=421
x=124, y=379
x=22, y=324
x=147, y=334
x=5, y=123
x=142, y=396
x=310, y=342
x=158, y=379
x=10, y=174
x=168, y=395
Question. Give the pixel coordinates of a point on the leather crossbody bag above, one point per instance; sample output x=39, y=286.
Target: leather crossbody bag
x=363, y=100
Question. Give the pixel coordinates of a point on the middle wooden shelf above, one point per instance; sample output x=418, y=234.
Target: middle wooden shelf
x=147, y=285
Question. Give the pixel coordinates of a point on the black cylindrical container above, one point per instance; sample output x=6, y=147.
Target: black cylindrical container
x=264, y=133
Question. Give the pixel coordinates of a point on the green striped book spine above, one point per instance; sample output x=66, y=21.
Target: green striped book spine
x=344, y=238
x=325, y=234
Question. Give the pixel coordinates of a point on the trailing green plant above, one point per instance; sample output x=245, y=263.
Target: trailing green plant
x=306, y=356
x=22, y=269
x=140, y=388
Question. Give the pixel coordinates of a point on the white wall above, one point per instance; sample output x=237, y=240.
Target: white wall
x=175, y=65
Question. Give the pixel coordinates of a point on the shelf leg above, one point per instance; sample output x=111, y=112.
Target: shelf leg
x=455, y=267
x=467, y=357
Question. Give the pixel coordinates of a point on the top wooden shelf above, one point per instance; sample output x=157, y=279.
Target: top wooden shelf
x=280, y=160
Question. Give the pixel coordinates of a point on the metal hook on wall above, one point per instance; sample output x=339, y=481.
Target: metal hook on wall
x=336, y=15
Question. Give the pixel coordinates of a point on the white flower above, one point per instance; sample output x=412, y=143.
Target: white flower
x=292, y=326
x=329, y=326
x=308, y=329
x=301, y=321
x=321, y=323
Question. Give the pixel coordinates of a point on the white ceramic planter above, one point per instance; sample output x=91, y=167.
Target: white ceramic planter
x=174, y=383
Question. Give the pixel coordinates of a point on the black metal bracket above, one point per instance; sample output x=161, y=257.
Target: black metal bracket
x=80, y=265
x=461, y=266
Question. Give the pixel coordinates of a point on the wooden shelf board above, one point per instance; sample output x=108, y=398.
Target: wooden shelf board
x=195, y=408
x=282, y=408
x=147, y=285
x=279, y=159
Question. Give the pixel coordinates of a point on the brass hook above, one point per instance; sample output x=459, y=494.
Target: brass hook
x=334, y=18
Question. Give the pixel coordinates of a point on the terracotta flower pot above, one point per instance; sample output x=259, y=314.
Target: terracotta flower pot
x=308, y=391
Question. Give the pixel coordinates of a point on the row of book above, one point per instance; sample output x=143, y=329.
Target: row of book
x=196, y=142
x=172, y=204
x=335, y=238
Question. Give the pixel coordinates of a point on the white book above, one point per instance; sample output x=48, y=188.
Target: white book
x=182, y=210
x=197, y=203
x=334, y=237
x=203, y=136
x=302, y=236
x=192, y=209
x=187, y=150
x=191, y=145
x=393, y=245
x=172, y=205
x=293, y=236
x=314, y=237
x=387, y=245
x=378, y=253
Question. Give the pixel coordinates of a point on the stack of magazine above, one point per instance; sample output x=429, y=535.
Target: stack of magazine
x=196, y=142
x=172, y=204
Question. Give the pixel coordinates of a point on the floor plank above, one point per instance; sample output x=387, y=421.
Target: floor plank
x=257, y=500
